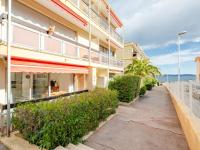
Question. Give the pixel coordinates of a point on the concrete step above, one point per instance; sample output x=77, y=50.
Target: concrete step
x=71, y=147
x=84, y=147
x=60, y=148
x=78, y=147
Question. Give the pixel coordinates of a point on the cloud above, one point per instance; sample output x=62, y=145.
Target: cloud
x=156, y=22
x=172, y=58
x=172, y=42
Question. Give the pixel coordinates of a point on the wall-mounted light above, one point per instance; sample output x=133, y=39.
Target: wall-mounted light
x=51, y=30
x=3, y=18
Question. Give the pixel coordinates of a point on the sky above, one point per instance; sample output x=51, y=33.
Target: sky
x=154, y=25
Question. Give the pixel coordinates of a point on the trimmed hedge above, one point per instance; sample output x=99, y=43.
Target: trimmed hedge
x=150, y=83
x=143, y=90
x=149, y=86
x=67, y=120
x=127, y=86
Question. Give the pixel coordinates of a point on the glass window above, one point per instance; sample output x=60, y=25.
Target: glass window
x=40, y=85
x=20, y=84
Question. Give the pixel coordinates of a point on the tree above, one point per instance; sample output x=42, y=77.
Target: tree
x=142, y=68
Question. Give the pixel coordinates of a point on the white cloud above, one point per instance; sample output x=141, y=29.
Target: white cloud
x=156, y=22
x=172, y=58
x=183, y=41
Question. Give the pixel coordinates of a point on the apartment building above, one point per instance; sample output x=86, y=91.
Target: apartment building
x=59, y=46
x=131, y=51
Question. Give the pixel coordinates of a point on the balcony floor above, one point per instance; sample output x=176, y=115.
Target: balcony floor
x=150, y=123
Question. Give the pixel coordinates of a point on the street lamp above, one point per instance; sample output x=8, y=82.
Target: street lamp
x=179, y=53
x=179, y=63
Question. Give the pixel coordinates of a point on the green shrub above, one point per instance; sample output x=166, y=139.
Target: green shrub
x=149, y=86
x=127, y=86
x=150, y=82
x=67, y=120
x=143, y=90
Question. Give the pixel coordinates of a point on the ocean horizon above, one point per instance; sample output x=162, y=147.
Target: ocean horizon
x=174, y=77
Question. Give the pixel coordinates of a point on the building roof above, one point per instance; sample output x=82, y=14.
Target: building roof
x=197, y=58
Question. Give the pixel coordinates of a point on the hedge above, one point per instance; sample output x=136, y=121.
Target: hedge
x=143, y=90
x=150, y=83
x=127, y=86
x=67, y=120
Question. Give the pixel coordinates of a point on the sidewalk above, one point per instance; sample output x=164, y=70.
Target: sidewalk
x=149, y=124
x=3, y=147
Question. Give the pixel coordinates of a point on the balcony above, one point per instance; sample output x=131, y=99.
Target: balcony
x=28, y=38
x=83, y=5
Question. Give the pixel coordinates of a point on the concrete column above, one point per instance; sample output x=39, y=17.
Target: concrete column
x=75, y=82
x=49, y=85
x=102, y=78
x=92, y=78
x=197, y=71
x=31, y=86
x=2, y=83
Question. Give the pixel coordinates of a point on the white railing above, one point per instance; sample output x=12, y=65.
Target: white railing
x=187, y=93
x=84, y=7
x=116, y=63
x=39, y=41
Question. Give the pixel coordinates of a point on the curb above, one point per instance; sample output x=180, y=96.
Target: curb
x=127, y=104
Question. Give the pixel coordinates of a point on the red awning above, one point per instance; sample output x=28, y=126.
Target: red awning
x=45, y=67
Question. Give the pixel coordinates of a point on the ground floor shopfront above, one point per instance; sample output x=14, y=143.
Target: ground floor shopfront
x=31, y=79
x=27, y=86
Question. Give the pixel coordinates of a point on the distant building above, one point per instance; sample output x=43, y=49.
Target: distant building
x=131, y=51
x=197, y=60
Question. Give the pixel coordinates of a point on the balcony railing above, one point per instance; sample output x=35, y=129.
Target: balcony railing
x=116, y=35
x=84, y=6
x=39, y=41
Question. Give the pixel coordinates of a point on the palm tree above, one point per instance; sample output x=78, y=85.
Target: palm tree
x=142, y=68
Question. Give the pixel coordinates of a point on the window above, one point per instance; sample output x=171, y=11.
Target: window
x=134, y=54
x=20, y=84
x=40, y=85
x=103, y=49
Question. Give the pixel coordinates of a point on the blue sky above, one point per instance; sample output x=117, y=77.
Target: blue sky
x=154, y=24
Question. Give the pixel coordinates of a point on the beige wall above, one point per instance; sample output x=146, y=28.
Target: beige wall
x=102, y=78
x=190, y=124
x=92, y=78
x=126, y=54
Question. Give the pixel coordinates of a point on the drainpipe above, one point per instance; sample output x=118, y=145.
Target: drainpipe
x=8, y=66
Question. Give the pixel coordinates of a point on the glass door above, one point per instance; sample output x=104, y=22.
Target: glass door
x=40, y=85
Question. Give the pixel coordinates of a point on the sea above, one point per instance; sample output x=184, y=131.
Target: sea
x=174, y=77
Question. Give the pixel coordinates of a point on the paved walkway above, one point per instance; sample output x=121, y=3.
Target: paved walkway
x=3, y=147
x=150, y=123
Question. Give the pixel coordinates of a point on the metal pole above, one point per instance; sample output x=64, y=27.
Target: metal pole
x=109, y=37
x=8, y=66
x=109, y=46
x=90, y=32
x=179, y=63
x=179, y=52
x=123, y=58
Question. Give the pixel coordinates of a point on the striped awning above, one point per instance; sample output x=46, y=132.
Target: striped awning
x=35, y=66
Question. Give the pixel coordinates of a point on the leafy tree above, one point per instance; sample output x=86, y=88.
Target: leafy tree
x=142, y=68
